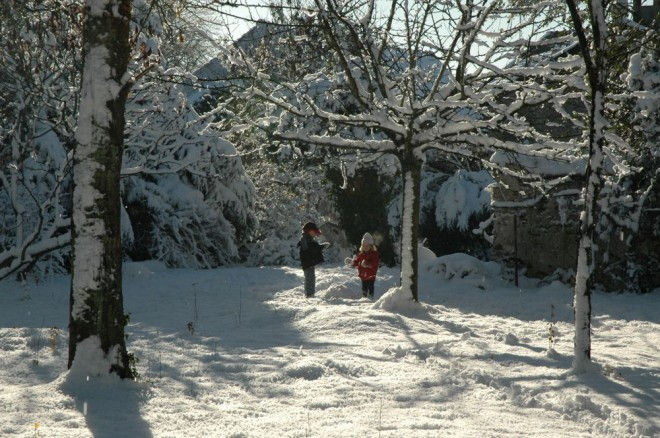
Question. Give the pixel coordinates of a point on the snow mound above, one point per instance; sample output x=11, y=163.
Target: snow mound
x=425, y=255
x=461, y=265
x=143, y=269
x=342, y=290
x=421, y=353
x=89, y=363
x=551, y=353
x=397, y=351
x=511, y=339
x=349, y=368
x=398, y=300
x=305, y=369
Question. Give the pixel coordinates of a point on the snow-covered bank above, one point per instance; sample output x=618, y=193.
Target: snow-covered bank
x=239, y=352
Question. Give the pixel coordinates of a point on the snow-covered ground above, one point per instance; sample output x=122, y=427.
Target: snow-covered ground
x=238, y=352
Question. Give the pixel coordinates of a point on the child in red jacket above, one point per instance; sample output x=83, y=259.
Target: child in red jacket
x=367, y=264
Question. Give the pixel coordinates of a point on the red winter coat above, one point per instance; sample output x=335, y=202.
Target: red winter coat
x=367, y=264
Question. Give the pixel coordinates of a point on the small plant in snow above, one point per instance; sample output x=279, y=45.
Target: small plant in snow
x=553, y=333
x=35, y=345
x=308, y=425
x=53, y=333
x=610, y=371
x=195, y=308
x=380, y=417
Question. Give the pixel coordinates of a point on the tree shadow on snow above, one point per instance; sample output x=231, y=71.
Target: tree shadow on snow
x=629, y=387
x=111, y=407
x=641, y=396
x=558, y=361
x=542, y=303
x=223, y=326
x=213, y=302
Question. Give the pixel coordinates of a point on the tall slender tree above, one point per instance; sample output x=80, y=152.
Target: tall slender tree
x=593, y=53
x=97, y=320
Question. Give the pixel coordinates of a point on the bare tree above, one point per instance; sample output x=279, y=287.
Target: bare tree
x=406, y=77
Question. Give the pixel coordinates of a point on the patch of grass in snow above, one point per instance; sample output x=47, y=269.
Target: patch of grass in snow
x=349, y=369
x=305, y=369
x=324, y=403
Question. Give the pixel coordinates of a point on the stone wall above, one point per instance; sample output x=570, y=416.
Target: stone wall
x=547, y=236
x=546, y=231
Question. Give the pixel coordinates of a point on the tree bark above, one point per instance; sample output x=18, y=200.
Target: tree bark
x=411, y=169
x=96, y=303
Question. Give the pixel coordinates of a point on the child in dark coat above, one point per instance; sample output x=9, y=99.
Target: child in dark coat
x=310, y=255
x=366, y=263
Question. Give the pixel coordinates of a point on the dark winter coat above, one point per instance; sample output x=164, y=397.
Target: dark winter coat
x=367, y=264
x=310, y=251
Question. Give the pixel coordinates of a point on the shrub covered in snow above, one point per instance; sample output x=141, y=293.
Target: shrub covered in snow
x=187, y=200
x=462, y=196
x=452, y=208
x=454, y=266
x=425, y=255
x=341, y=290
x=35, y=205
x=186, y=193
x=398, y=300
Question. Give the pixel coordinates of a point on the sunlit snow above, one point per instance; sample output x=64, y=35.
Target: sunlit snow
x=240, y=352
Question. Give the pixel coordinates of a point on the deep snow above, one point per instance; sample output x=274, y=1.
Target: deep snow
x=239, y=352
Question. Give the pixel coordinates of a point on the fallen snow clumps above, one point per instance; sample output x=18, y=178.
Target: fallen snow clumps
x=342, y=290
x=461, y=265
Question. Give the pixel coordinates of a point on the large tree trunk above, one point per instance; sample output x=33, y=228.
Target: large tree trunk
x=97, y=320
x=411, y=169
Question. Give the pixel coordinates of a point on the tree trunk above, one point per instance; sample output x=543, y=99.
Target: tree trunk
x=597, y=79
x=636, y=10
x=96, y=319
x=586, y=250
x=411, y=169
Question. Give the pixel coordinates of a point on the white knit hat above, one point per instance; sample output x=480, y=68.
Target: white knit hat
x=367, y=239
